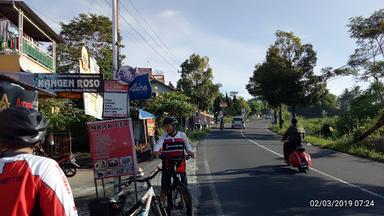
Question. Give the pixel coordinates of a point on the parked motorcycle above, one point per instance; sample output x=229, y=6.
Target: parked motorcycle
x=68, y=164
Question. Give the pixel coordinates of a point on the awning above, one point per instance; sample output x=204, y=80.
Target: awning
x=145, y=115
x=205, y=114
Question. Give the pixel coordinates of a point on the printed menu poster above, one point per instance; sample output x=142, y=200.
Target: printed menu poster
x=112, y=148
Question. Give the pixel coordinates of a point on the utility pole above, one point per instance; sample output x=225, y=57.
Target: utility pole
x=115, y=65
x=115, y=18
x=115, y=21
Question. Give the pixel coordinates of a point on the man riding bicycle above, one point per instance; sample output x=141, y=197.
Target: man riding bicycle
x=30, y=184
x=172, y=144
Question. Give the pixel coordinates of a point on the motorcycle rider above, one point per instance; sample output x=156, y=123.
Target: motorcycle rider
x=292, y=139
x=221, y=123
x=30, y=184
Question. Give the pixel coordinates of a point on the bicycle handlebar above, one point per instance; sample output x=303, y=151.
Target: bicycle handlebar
x=147, y=179
x=184, y=157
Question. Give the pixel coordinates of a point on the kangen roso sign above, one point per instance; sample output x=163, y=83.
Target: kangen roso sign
x=92, y=83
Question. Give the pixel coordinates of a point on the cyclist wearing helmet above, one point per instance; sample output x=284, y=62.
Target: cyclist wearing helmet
x=30, y=184
x=172, y=144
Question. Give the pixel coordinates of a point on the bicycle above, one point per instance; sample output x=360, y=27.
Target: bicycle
x=149, y=204
x=178, y=197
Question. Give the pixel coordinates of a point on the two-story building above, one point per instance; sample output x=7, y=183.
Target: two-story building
x=25, y=40
x=27, y=46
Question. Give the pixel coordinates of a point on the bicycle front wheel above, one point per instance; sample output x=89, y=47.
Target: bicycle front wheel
x=182, y=200
x=157, y=207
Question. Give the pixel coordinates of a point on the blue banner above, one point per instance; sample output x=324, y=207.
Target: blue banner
x=140, y=88
x=145, y=115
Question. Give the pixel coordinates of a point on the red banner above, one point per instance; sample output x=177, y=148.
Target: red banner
x=114, y=86
x=112, y=148
x=151, y=127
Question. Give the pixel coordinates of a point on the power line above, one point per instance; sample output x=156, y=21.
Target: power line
x=149, y=35
x=42, y=14
x=154, y=32
x=136, y=42
x=105, y=13
x=90, y=6
x=93, y=6
x=150, y=45
x=143, y=38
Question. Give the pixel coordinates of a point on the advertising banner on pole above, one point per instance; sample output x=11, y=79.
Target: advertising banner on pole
x=151, y=127
x=115, y=100
x=125, y=75
x=93, y=102
x=93, y=105
x=84, y=61
x=138, y=81
x=112, y=148
x=140, y=88
x=115, y=105
x=114, y=86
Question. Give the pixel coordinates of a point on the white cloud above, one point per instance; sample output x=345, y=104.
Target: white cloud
x=168, y=13
x=232, y=61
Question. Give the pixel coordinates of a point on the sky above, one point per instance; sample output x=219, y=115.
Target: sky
x=234, y=35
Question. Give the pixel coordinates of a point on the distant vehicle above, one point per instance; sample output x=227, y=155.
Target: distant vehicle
x=238, y=122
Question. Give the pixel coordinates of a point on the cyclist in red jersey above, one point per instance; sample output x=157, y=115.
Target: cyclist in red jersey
x=30, y=184
x=172, y=144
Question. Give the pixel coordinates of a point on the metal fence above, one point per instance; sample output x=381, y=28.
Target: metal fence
x=9, y=43
x=58, y=144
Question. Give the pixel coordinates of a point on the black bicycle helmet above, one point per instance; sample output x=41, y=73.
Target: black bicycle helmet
x=20, y=126
x=169, y=120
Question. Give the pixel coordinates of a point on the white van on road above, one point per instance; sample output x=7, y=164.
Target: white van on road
x=238, y=122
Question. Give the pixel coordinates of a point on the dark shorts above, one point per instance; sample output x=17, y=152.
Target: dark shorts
x=166, y=180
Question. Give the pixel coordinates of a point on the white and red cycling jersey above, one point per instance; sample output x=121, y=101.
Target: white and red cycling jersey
x=174, y=147
x=34, y=185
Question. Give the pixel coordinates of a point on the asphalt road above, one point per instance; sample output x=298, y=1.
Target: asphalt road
x=242, y=173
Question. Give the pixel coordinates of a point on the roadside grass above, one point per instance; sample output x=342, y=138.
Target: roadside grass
x=344, y=144
x=196, y=135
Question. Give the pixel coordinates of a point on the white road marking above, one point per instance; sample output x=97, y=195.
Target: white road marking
x=215, y=197
x=319, y=171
